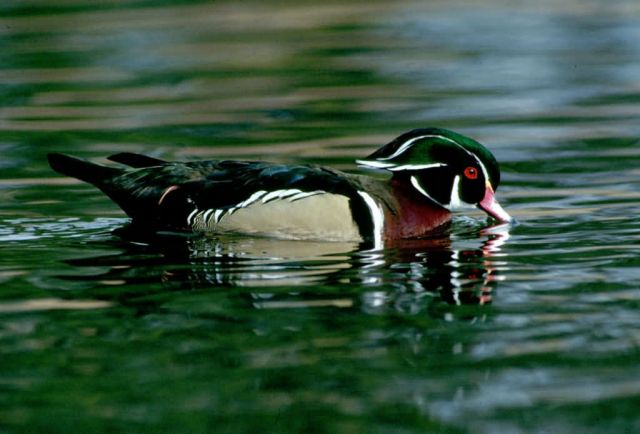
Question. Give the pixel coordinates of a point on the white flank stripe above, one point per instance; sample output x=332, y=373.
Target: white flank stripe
x=191, y=216
x=255, y=196
x=292, y=192
x=217, y=214
x=270, y=196
x=377, y=215
x=206, y=215
x=304, y=194
x=279, y=194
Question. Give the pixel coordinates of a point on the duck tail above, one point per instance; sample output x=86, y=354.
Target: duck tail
x=82, y=169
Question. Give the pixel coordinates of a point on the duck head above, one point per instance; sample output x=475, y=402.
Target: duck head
x=452, y=170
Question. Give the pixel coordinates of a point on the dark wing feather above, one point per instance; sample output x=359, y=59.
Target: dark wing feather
x=135, y=160
x=163, y=194
x=235, y=181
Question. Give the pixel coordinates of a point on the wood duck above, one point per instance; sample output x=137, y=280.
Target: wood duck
x=433, y=172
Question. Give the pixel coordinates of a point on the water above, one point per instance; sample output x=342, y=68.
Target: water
x=533, y=328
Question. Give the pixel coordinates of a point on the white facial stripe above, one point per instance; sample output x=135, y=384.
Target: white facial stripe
x=417, y=186
x=381, y=165
x=475, y=157
x=376, y=164
x=484, y=170
x=408, y=143
x=416, y=166
x=377, y=216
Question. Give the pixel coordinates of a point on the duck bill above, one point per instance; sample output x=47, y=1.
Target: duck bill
x=491, y=206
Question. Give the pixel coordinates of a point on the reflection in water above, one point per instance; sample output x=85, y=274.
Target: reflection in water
x=408, y=277
x=171, y=334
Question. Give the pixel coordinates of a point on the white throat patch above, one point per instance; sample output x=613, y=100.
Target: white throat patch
x=455, y=202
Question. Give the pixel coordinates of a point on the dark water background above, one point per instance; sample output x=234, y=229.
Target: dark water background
x=534, y=328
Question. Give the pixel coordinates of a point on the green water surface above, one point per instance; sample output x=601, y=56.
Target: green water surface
x=480, y=329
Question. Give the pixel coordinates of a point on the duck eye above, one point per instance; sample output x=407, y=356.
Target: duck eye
x=471, y=173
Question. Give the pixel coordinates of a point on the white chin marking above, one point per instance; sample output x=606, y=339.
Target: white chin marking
x=454, y=201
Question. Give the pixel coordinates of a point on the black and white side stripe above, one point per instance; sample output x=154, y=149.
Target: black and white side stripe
x=212, y=216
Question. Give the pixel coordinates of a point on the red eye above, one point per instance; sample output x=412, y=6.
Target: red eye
x=471, y=172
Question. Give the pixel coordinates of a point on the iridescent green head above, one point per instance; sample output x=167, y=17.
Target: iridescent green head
x=450, y=169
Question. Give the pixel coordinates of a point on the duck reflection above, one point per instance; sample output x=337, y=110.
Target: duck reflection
x=407, y=277
x=456, y=272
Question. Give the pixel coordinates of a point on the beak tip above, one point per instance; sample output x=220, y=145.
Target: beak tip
x=491, y=206
x=502, y=217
